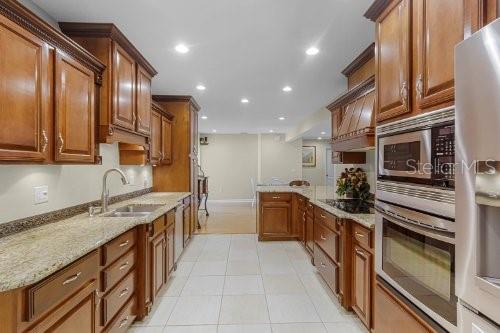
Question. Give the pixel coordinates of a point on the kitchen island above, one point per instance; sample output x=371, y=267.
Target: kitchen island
x=341, y=244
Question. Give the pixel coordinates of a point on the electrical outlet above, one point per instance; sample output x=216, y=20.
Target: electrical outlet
x=40, y=194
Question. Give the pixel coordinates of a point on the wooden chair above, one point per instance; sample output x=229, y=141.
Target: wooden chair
x=299, y=183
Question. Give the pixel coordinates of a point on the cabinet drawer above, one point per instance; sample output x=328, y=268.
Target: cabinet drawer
x=158, y=225
x=124, y=319
x=114, y=301
x=170, y=217
x=327, y=240
x=279, y=197
x=61, y=285
x=326, y=268
x=118, y=247
x=362, y=235
x=115, y=272
x=324, y=217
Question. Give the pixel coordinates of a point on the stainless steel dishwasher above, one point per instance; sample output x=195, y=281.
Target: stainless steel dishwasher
x=178, y=237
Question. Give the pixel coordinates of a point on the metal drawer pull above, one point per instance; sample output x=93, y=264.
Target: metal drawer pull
x=72, y=278
x=323, y=265
x=360, y=235
x=322, y=237
x=125, y=265
x=277, y=197
x=323, y=216
x=361, y=253
x=123, y=322
x=123, y=292
x=124, y=243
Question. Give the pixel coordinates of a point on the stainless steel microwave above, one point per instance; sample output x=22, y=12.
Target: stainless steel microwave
x=419, y=150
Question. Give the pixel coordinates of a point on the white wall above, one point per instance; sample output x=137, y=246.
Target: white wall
x=279, y=158
x=69, y=185
x=230, y=160
x=40, y=12
x=316, y=175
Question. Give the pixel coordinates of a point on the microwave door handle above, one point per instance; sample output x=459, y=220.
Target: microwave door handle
x=419, y=229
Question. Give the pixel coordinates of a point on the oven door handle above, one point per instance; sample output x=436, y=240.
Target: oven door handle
x=419, y=229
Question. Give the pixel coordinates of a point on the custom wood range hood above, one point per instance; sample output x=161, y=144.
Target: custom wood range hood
x=353, y=118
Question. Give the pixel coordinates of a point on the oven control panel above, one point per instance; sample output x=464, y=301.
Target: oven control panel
x=443, y=159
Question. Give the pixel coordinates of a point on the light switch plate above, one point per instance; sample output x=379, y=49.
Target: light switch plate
x=41, y=194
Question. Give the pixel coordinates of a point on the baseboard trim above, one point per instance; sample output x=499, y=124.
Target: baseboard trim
x=229, y=201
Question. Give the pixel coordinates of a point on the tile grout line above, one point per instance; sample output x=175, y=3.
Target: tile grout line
x=264, y=287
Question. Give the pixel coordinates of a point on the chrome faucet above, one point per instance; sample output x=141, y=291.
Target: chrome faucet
x=105, y=191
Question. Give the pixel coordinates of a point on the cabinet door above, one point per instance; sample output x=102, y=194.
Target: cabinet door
x=393, y=316
x=25, y=95
x=276, y=219
x=156, y=141
x=439, y=27
x=393, y=60
x=166, y=139
x=157, y=264
x=74, y=116
x=361, y=282
x=309, y=234
x=123, y=88
x=186, y=223
x=143, y=123
x=170, y=250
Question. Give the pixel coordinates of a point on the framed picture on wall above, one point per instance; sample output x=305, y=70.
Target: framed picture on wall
x=308, y=156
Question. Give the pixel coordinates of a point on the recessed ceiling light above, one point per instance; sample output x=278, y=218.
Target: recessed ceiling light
x=214, y=131
x=200, y=87
x=245, y=100
x=323, y=133
x=287, y=89
x=204, y=117
x=181, y=48
x=320, y=138
x=312, y=51
x=271, y=131
x=281, y=118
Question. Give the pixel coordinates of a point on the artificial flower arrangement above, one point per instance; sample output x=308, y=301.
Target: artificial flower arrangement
x=353, y=183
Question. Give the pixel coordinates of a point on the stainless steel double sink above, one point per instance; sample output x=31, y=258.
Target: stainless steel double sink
x=133, y=210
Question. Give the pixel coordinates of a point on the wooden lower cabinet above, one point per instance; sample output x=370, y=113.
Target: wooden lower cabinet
x=361, y=283
x=275, y=217
x=391, y=315
x=187, y=224
x=170, y=250
x=309, y=229
x=158, y=260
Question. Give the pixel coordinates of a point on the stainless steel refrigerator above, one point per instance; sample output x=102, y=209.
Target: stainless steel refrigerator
x=477, y=212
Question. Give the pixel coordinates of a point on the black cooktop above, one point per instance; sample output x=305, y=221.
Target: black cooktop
x=352, y=206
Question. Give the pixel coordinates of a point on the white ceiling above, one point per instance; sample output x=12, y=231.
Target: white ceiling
x=239, y=48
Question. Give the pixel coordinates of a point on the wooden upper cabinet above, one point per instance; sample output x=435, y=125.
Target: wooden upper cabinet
x=143, y=122
x=74, y=116
x=156, y=142
x=125, y=101
x=47, y=87
x=123, y=89
x=392, y=65
x=166, y=138
x=25, y=95
x=435, y=42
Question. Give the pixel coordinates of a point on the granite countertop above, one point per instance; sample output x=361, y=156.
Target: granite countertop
x=32, y=255
x=317, y=193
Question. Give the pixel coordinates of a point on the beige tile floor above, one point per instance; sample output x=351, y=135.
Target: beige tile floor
x=233, y=283
x=228, y=218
